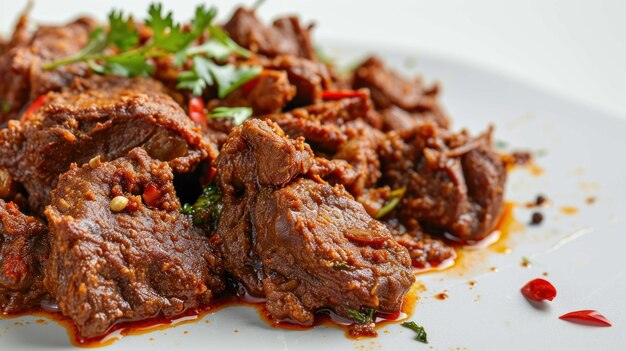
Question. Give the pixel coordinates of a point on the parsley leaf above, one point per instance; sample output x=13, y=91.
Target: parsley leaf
x=421, y=332
x=122, y=32
x=238, y=114
x=166, y=34
x=202, y=20
x=129, y=64
x=206, y=208
x=364, y=316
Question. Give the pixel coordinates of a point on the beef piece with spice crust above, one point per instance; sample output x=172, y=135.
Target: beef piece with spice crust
x=302, y=243
x=142, y=261
x=23, y=252
x=285, y=36
x=403, y=102
x=23, y=78
x=105, y=116
x=454, y=183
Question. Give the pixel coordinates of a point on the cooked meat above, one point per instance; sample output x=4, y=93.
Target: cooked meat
x=142, y=261
x=98, y=116
x=302, y=243
x=286, y=36
x=24, y=79
x=309, y=78
x=389, y=89
x=453, y=182
x=23, y=251
x=267, y=93
x=326, y=125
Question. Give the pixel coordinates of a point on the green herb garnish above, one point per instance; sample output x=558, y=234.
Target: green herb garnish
x=238, y=114
x=6, y=107
x=394, y=199
x=421, y=333
x=342, y=266
x=207, y=207
x=525, y=261
x=500, y=145
x=117, y=51
x=364, y=316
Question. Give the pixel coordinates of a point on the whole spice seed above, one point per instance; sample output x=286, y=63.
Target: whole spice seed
x=118, y=203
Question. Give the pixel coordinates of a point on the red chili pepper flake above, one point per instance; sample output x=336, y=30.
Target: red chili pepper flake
x=341, y=94
x=587, y=317
x=32, y=108
x=196, y=110
x=151, y=193
x=539, y=290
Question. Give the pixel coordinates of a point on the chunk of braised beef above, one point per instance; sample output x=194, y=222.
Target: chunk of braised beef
x=98, y=116
x=285, y=36
x=300, y=242
x=389, y=89
x=113, y=263
x=23, y=78
x=454, y=183
x=23, y=252
x=309, y=77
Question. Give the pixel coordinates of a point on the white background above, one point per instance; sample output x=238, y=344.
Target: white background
x=576, y=48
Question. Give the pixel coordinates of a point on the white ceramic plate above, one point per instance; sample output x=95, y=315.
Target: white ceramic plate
x=580, y=154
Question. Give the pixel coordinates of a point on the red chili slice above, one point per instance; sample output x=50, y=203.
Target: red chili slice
x=539, y=290
x=587, y=317
x=32, y=108
x=196, y=110
x=341, y=94
x=151, y=193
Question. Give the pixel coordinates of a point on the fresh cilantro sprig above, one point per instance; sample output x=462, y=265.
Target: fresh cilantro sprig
x=118, y=51
x=419, y=330
x=238, y=114
x=363, y=316
x=394, y=199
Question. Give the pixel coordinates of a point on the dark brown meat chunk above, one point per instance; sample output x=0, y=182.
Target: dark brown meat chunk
x=267, y=93
x=309, y=77
x=389, y=89
x=141, y=262
x=453, y=183
x=327, y=125
x=98, y=116
x=303, y=244
x=21, y=70
x=23, y=251
x=286, y=36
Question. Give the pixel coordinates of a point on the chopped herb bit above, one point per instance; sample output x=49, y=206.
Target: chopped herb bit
x=342, y=266
x=364, y=316
x=500, y=145
x=6, y=107
x=132, y=58
x=257, y=4
x=525, y=261
x=421, y=333
x=238, y=114
x=394, y=199
x=207, y=207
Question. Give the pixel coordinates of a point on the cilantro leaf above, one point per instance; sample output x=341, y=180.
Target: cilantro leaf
x=229, y=77
x=122, y=32
x=364, y=316
x=238, y=114
x=421, y=332
x=166, y=34
x=202, y=19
